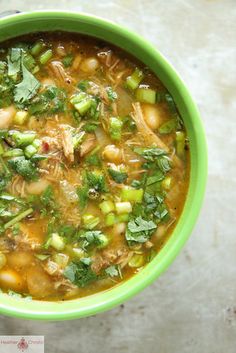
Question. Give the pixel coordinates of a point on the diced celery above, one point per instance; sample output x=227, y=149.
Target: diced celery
x=15, y=152
x=22, y=139
x=29, y=151
x=145, y=95
x=123, y=217
x=133, y=81
x=107, y=206
x=61, y=259
x=21, y=117
x=45, y=56
x=76, y=98
x=123, y=207
x=136, y=261
x=83, y=106
x=90, y=221
x=78, y=252
x=130, y=194
x=180, y=143
x=167, y=127
x=57, y=242
x=115, y=128
x=110, y=219
x=36, y=143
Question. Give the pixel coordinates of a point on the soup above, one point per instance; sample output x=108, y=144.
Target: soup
x=94, y=166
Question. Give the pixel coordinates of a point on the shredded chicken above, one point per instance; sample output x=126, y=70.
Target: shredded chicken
x=149, y=136
x=119, y=256
x=59, y=73
x=88, y=145
x=67, y=142
x=17, y=186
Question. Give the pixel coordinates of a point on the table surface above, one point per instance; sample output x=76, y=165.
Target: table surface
x=192, y=307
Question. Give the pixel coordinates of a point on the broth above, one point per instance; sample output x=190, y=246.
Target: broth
x=94, y=166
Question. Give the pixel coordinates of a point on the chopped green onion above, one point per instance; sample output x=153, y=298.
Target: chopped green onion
x=21, y=117
x=18, y=218
x=45, y=56
x=133, y=81
x=123, y=207
x=15, y=152
x=115, y=128
x=130, y=194
x=167, y=127
x=90, y=221
x=29, y=151
x=22, y=139
x=145, y=95
x=180, y=143
x=107, y=206
x=110, y=219
x=37, y=48
x=57, y=242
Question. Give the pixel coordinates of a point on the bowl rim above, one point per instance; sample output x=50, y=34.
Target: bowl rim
x=105, y=300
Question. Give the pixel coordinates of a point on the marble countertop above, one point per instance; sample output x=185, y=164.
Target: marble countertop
x=192, y=307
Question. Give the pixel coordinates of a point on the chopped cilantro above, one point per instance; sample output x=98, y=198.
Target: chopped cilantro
x=117, y=176
x=24, y=167
x=27, y=88
x=68, y=60
x=80, y=273
x=112, y=271
x=139, y=230
x=112, y=95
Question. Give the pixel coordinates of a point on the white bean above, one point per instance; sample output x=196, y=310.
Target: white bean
x=10, y=279
x=151, y=116
x=112, y=154
x=6, y=117
x=89, y=65
x=37, y=187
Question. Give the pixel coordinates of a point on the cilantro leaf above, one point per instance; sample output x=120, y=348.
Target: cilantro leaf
x=112, y=271
x=24, y=167
x=80, y=273
x=27, y=88
x=67, y=60
x=139, y=230
x=117, y=176
x=96, y=181
x=112, y=95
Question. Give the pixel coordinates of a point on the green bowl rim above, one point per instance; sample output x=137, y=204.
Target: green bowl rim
x=102, y=301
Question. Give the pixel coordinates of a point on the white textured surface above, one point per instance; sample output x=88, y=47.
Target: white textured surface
x=192, y=307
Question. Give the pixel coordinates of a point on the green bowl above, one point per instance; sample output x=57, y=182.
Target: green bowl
x=19, y=24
